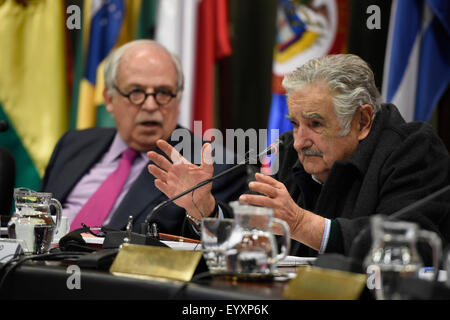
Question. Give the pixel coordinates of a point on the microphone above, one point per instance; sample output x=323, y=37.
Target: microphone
x=358, y=250
x=145, y=228
x=4, y=125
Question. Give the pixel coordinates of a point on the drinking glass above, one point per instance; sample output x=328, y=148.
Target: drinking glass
x=215, y=233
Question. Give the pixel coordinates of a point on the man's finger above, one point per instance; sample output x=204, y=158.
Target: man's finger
x=263, y=188
x=207, y=158
x=171, y=152
x=157, y=172
x=162, y=186
x=159, y=160
x=267, y=179
x=257, y=200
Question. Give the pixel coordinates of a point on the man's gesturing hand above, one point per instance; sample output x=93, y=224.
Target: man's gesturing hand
x=275, y=196
x=305, y=226
x=174, y=177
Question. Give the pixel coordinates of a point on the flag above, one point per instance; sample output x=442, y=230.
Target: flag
x=147, y=19
x=417, y=68
x=305, y=30
x=33, y=93
x=176, y=29
x=197, y=32
x=212, y=45
x=108, y=24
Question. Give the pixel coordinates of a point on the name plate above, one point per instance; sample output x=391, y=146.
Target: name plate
x=314, y=283
x=9, y=249
x=151, y=261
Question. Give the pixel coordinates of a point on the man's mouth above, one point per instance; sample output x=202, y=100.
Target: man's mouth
x=311, y=153
x=150, y=124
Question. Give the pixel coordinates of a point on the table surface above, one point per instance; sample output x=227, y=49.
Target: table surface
x=49, y=280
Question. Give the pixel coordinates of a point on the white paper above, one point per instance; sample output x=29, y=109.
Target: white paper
x=183, y=245
x=296, y=261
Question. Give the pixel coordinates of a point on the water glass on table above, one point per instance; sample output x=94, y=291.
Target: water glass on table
x=215, y=233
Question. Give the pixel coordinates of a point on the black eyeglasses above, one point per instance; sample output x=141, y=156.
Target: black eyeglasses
x=138, y=96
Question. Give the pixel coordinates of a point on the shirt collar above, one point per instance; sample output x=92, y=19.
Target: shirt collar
x=117, y=147
x=316, y=180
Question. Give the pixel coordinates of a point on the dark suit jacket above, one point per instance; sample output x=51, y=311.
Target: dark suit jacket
x=397, y=164
x=78, y=151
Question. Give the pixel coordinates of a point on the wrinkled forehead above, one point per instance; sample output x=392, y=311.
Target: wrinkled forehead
x=311, y=102
x=147, y=62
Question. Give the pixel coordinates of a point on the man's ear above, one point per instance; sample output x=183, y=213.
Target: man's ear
x=108, y=100
x=365, y=121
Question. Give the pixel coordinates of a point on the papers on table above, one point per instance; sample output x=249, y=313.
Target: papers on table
x=90, y=239
x=179, y=245
x=290, y=261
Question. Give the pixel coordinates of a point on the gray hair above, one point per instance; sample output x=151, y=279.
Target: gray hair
x=113, y=60
x=349, y=79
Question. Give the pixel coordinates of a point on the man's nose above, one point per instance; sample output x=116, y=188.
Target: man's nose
x=302, y=139
x=150, y=104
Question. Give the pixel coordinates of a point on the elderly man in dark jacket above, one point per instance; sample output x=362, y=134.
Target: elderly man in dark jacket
x=349, y=157
x=398, y=163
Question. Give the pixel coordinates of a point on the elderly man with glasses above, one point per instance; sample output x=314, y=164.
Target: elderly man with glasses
x=100, y=174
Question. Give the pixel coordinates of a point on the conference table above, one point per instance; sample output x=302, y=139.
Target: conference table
x=51, y=280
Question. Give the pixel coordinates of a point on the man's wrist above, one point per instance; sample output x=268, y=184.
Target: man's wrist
x=214, y=213
x=203, y=208
x=195, y=220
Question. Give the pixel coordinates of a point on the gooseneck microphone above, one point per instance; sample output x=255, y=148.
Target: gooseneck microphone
x=353, y=261
x=4, y=125
x=271, y=149
x=357, y=250
x=358, y=242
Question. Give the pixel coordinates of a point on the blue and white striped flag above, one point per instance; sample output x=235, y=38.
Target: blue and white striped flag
x=417, y=68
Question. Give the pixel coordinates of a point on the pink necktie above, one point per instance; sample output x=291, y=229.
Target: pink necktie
x=96, y=209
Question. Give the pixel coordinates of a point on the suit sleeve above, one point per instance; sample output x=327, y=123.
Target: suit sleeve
x=49, y=169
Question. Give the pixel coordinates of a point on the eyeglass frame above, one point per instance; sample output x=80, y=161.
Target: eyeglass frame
x=154, y=94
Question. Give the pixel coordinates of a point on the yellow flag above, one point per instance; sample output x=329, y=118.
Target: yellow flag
x=33, y=87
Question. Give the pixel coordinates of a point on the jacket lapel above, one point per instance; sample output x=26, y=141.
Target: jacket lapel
x=76, y=165
x=138, y=201
x=143, y=195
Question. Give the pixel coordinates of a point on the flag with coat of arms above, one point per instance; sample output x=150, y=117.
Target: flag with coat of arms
x=305, y=30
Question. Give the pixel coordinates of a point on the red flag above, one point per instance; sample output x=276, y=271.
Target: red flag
x=213, y=43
